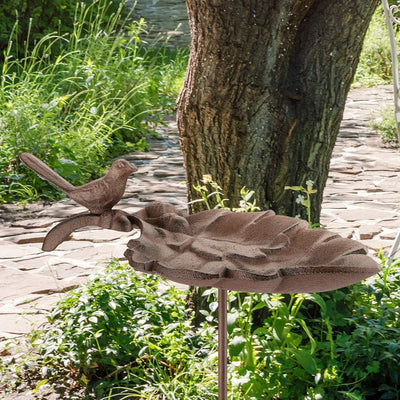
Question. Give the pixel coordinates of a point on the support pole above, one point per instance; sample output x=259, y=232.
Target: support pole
x=222, y=345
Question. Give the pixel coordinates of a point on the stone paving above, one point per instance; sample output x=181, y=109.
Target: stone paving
x=362, y=194
x=360, y=201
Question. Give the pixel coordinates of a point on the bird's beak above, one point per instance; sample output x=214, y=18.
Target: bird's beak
x=133, y=168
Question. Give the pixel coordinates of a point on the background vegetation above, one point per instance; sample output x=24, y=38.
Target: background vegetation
x=375, y=69
x=79, y=86
x=37, y=18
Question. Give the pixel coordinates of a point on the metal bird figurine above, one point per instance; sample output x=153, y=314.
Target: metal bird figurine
x=97, y=196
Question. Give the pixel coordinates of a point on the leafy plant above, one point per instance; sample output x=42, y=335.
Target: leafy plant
x=211, y=190
x=385, y=125
x=304, y=199
x=37, y=18
x=374, y=67
x=118, y=336
x=336, y=345
x=116, y=329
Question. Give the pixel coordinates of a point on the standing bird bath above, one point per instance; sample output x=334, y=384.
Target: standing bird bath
x=250, y=252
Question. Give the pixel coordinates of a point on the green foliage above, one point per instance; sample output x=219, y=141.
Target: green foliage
x=120, y=333
x=37, y=18
x=114, y=319
x=333, y=346
x=304, y=198
x=211, y=194
x=374, y=67
x=120, y=329
x=385, y=126
x=76, y=100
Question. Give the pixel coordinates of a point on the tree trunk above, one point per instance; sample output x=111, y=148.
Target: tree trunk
x=265, y=91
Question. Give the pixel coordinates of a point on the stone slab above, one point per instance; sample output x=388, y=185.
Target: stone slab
x=6, y=231
x=17, y=324
x=62, y=271
x=35, y=223
x=103, y=253
x=369, y=231
x=12, y=250
x=34, y=263
x=99, y=235
x=360, y=214
x=377, y=244
x=389, y=235
x=15, y=284
x=28, y=238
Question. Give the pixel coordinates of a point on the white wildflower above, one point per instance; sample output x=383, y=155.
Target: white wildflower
x=300, y=199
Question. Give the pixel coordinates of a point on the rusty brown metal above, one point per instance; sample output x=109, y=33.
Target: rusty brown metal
x=251, y=252
x=97, y=196
x=222, y=345
x=114, y=219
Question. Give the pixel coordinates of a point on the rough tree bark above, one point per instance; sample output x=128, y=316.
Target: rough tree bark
x=265, y=92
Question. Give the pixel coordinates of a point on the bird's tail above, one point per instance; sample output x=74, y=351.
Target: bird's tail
x=45, y=172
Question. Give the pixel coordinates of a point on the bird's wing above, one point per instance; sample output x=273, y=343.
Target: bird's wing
x=45, y=172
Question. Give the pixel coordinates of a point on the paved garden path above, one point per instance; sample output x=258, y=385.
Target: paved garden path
x=361, y=201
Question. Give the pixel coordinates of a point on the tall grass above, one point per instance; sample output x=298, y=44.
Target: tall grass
x=375, y=65
x=76, y=100
x=375, y=68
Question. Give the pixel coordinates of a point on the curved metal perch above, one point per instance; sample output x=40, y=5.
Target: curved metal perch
x=114, y=219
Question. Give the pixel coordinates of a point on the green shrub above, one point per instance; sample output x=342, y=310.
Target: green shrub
x=337, y=345
x=78, y=99
x=385, y=126
x=119, y=333
x=118, y=325
x=375, y=67
x=37, y=18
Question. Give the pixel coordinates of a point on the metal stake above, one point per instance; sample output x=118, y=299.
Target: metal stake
x=222, y=345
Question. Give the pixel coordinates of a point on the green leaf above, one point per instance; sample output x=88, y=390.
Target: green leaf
x=213, y=306
x=295, y=188
x=352, y=396
x=249, y=195
x=306, y=360
x=374, y=367
x=307, y=331
x=316, y=298
x=39, y=385
x=231, y=320
x=260, y=305
x=277, y=330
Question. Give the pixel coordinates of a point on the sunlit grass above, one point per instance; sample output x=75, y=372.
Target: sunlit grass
x=79, y=99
